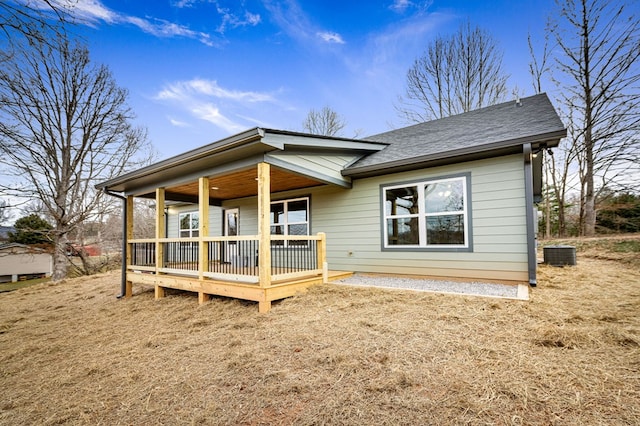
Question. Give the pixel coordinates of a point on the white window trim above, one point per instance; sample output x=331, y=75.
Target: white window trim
x=422, y=215
x=285, y=224
x=180, y=229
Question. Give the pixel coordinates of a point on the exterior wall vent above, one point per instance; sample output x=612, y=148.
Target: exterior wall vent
x=560, y=255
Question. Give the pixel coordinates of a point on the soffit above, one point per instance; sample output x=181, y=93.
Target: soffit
x=241, y=184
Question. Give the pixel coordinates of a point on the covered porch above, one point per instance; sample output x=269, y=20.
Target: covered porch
x=260, y=266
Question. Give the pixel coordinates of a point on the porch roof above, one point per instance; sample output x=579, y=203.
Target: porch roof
x=300, y=160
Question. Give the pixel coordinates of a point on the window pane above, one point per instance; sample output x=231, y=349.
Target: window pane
x=300, y=229
x=297, y=211
x=184, y=234
x=447, y=229
x=195, y=233
x=195, y=220
x=403, y=231
x=277, y=230
x=444, y=197
x=277, y=213
x=401, y=201
x=232, y=224
x=185, y=221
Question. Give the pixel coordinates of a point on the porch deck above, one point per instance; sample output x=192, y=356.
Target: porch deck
x=231, y=266
x=239, y=290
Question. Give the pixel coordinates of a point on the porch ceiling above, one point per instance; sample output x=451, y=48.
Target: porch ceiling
x=240, y=184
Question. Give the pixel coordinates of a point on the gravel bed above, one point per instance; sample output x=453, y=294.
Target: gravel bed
x=456, y=287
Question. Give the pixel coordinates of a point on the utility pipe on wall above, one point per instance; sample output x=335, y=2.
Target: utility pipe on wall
x=123, y=283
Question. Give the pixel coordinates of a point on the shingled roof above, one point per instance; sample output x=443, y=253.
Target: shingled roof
x=495, y=130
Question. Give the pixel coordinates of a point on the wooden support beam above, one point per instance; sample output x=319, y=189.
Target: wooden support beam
x=160, y=232
x=322, y=257
x=203, y=297
x=203, y=226
x=159, y=292
x=264, y=307
x=264, y=226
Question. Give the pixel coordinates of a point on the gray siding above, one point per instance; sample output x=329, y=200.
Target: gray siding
x=326, y=167
x=215, y=219
x=352, y=221
x=351, y=218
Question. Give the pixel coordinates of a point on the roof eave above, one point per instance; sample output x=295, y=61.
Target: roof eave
x=248, y=136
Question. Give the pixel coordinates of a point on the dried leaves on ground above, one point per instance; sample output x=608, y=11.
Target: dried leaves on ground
x=71, y=353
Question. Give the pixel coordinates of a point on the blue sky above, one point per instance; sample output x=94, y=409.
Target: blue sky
x=200, y=70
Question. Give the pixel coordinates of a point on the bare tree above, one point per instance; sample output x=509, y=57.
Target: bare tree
x=5, y=214
x=64, y=123
x=37, y=21
x=538, y=66
x=325, y=122
x=598, y=71
x=556, y=167
x=456, y=74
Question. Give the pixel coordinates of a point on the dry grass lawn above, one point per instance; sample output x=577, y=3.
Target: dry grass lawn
x=70, y=353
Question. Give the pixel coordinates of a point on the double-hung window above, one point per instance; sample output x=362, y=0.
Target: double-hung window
x=290, y=217
x=427, y=214
x=189, y=224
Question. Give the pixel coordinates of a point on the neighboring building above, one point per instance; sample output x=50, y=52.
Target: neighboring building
x=447, y=198
x=20, y=261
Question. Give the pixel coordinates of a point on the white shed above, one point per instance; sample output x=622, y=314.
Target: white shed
x=19, y=260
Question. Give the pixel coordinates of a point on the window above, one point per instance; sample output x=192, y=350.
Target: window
x=290, y=217
x=428, y=214
x=189, y=224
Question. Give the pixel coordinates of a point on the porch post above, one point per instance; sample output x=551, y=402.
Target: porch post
x=128, y=237
x=159, y=291
x=264, y=230
x=203, y=231
x=322, y=257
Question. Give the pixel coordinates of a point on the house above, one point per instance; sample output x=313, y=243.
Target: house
x=265, y=213
x=18, y=261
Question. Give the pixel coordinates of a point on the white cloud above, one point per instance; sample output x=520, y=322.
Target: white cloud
x=87, y=11
x=204, y=99
x=183, y=3
x=232, y=20
x=162, y=28
x=293, y=21
x=178, y=123
x=331, y=37
x=210, y=88
x=402, y=6
x=211, y=113
x=91, y=12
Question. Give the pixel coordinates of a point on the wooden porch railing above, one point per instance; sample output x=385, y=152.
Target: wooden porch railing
x=235, y=259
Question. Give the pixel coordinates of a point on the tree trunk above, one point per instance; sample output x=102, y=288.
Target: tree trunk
x=562, y=223
x=589, y=224
x=547, y=217
x=60, y=257
x=589, y=198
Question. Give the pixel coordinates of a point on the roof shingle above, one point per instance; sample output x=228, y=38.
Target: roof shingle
x=508, y=124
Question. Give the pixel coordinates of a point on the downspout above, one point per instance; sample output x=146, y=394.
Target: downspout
x=528, y=195
x=123, y=278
